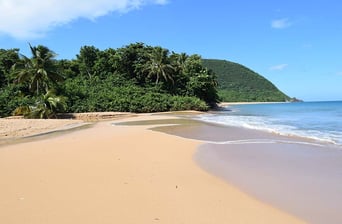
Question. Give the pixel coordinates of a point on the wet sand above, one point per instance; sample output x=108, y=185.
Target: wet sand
x=303, y=180
x=119, y=174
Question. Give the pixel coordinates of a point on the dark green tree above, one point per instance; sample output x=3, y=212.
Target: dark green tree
x=130, y=60
x=7, y=59
x=202, y=82
x=87, y=58
x=203, y=85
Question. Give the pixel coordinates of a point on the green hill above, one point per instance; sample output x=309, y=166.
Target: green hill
x=237, y=83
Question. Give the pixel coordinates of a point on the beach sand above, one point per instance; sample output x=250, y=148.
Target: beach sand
x=119, y=174
x=18, y=128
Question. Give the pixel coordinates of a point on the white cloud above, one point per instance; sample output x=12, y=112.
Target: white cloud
x=281, y=23
x=33, y=18
x=278, y=67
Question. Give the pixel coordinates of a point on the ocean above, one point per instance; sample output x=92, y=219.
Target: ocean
x=319, y=121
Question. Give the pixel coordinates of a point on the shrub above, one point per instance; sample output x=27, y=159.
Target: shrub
x=187, y=103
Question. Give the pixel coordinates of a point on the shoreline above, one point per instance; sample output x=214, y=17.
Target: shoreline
x=297, y=175
x=224, y=104
x=99, y=175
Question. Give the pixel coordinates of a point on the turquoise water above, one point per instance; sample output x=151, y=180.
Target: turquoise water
x=321, y=121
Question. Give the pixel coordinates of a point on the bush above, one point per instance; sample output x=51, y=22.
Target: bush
x=150, y=102
x=85, y=96
x=187, y=103
x=10, y=99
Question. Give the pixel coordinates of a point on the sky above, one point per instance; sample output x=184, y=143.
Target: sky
x=296, y=44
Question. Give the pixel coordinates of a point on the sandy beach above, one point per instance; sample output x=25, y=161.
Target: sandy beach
x=17, y=128
x=119, y=174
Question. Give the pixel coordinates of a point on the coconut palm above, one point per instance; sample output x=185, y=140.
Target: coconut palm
x=38, y=70
x=158, y=65
x=179, y=61
x=47, y=106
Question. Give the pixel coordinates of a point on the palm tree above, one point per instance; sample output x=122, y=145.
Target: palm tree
x=158, y=65
x=179, y=61
x=37, y=70
x=47, y=106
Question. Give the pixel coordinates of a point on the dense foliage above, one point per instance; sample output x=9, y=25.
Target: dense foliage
x=134, y=78
x=240, y=84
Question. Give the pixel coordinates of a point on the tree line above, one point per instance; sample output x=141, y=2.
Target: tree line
x=134, y=78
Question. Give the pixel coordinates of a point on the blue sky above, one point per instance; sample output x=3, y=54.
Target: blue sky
x=296, y=44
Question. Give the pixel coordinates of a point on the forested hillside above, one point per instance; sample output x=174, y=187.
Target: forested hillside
x=236, y=83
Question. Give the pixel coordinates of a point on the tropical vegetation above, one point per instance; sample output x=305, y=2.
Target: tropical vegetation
x=134, y=78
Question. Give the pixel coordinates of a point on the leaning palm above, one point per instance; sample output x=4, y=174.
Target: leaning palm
x=47, y=106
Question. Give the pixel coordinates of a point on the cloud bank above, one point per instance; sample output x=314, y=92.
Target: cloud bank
x=281, y=23
x=278, y=67
x=23, y=19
